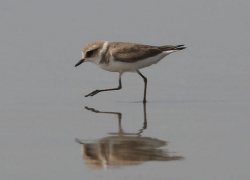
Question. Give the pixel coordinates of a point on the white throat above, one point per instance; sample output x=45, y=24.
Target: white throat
x=104, y=47
x=97, y=60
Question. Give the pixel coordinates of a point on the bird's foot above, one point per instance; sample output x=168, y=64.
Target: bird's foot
x=93, y=93
x=92, y=109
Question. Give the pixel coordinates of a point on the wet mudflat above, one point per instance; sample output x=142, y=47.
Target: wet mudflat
x=194, y=126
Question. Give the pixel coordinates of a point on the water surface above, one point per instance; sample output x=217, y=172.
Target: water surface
x=196, y=123
x=122, y=148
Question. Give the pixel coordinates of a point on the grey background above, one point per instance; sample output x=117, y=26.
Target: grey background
x=198, y=98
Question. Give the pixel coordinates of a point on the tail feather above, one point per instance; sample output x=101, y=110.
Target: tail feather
x=172, y=48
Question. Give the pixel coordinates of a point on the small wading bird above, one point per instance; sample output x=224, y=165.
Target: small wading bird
x=124, y=57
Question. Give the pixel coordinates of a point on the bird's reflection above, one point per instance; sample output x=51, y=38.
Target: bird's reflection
x=123, y=149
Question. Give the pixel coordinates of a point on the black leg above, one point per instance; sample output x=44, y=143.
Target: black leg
x=101, y=90
x=145, y=85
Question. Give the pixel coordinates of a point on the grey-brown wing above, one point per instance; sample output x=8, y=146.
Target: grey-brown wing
x=131, y=52
x=170, y=48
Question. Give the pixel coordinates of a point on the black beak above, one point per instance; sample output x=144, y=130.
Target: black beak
x=80, y=62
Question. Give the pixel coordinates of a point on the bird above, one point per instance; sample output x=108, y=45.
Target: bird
x=124, y=57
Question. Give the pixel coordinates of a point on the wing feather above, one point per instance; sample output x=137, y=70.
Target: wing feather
x=132, y=52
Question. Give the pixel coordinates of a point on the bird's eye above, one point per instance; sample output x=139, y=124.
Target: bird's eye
x=90, y=53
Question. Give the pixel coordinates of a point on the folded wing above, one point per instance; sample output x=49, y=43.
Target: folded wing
x=131, y=52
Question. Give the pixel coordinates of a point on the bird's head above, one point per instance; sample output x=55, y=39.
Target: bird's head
x=93, y=52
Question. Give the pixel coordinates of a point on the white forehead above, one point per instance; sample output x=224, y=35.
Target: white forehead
x=82, y=54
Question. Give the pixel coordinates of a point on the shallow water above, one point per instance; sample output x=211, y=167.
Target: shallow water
x=123, y=149
x=194, y=126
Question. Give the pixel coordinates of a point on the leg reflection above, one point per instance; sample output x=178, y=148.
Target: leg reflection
x=122, y=149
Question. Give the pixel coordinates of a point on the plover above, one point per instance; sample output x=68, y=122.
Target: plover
x=124, y=57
